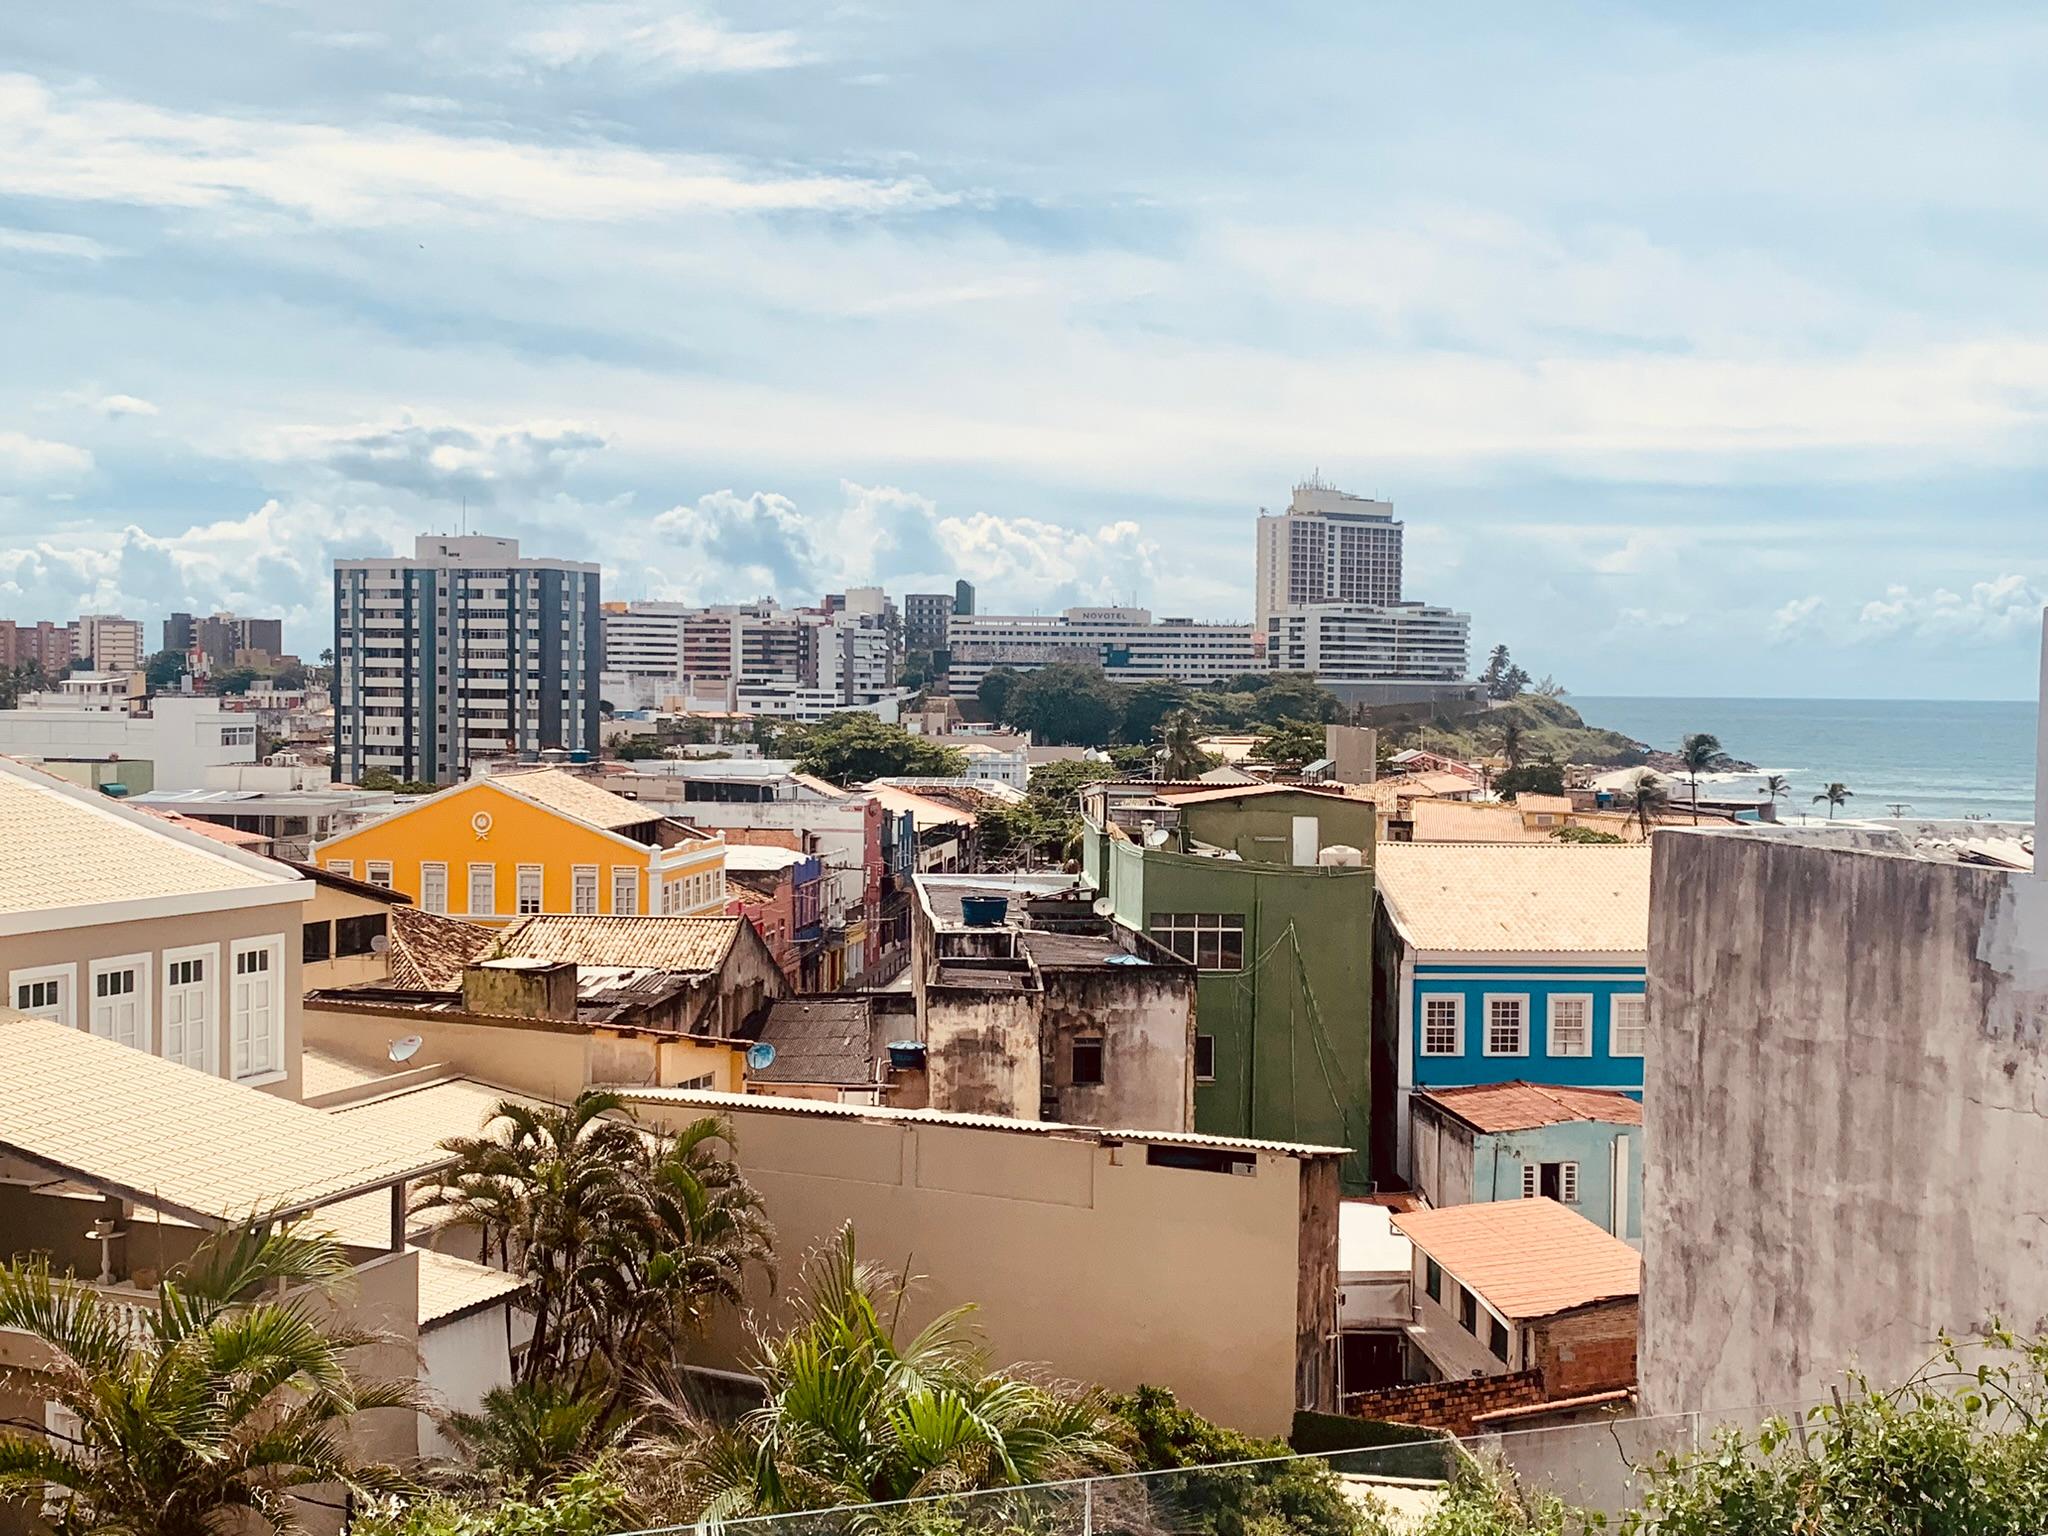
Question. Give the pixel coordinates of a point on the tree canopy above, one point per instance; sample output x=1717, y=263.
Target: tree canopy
x=855, y=747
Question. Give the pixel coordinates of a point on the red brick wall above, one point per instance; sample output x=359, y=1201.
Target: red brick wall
x=1590, y=1350
x=1449, y=1405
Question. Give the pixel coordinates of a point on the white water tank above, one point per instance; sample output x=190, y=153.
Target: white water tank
x=1342, y=855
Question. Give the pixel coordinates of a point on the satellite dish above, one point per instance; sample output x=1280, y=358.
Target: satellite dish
x=1156, y=838
x=760, y=1056
x=405, y=1049
x=379, y=943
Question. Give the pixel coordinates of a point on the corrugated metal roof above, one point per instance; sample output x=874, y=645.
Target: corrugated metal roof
x=61, y=846
x=1527, y=1258
x=773, y=1104
x=180, y=1141
x=819, y=1040
x=646, y=943
x=1535, y=897
x=1520, y=1106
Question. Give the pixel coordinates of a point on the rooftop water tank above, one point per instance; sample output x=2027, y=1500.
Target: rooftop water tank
x=984, y=911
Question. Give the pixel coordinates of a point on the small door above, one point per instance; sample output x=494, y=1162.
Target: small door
x=1307, y=839
x=188, y=1011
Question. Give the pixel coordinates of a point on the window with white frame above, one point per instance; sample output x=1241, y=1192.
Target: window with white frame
x=434, y=888
x=1552, y=1181
x=256, y=1009
x=483, y=890
x=1629, y=1028
x=529, y=889
x=346, y=868
x=1443, y=1025
x=44, y=991
x=1571, y=1024
x=1507, y=1026
x=378, y=872
x=583, y=890
x=625, y=892
x=1212, y=941
x=191, y=984
x=118, y=1008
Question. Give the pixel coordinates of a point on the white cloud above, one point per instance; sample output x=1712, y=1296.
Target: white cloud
x=80, y=146
x=126, y=405
x=437, y=459
x=649, y=39
x=37, y=458
x=1997, y=609
x=1798, y=619
x=44, y=242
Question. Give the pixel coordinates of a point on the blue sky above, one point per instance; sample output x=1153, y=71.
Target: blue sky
x=1703, y=350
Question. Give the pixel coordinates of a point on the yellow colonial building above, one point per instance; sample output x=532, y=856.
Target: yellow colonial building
x=518, y=843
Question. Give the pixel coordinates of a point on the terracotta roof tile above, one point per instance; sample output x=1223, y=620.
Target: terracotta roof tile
x=1537, y=897
x=1501, y=1107
x=429, y=951
x=647, y=943
x=1527, y=1258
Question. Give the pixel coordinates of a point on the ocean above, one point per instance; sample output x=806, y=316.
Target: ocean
x=1939, y=759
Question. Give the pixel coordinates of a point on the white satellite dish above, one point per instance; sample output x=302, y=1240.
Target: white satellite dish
x=379, y=943
x=405, y=1049
x=1156, y=837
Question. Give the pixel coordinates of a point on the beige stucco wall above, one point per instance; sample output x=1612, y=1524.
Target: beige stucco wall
x=1081, y=1257
x=79, y=947
x=328, y=904
x=548, y=1063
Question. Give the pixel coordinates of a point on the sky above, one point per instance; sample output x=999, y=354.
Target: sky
x=1702, y=350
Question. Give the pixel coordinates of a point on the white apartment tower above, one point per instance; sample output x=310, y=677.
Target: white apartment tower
x=1327, y=547
x=462, y=653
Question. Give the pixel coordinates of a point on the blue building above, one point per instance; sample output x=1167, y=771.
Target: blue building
x=1582, y=1147
x=1510, y=962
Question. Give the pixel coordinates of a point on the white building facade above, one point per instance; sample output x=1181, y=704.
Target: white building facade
x=464, y=653
x=1127, y=643
x=1327, y=547
x=179, y=740
x=1364, y=643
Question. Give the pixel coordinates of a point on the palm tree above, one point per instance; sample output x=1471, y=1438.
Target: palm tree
x=626, y=1237
x=1181, y=756
x=1652, y=799
x=239, y=1390
x=856, y=1416
x=532, y=1435
x=1697, y=754
x=1834, y=794
x=1777, y=786
x=1511, y=743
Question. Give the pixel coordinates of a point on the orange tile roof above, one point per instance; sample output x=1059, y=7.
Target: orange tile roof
x=1527, y=1258
x=1491, y=1107
x=651, y=943
x=429, y=951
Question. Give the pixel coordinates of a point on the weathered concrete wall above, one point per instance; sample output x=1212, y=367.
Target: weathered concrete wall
x=981, y=1051
x=1145, y=1017
x=1443, y=1152
x=1847, y=1105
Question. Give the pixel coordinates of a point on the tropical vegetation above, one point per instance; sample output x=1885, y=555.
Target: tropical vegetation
x=855, y=747
x=626, y=1236
x=1834, y=795
x=238, y=1392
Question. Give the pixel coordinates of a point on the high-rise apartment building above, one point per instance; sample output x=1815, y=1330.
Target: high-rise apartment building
x=463, y=652
x=221, y=637
x=1327, y=547
x=924, y=620
x=752, y=654
x=1366, y=643
x=40, y=644
x=110, y=642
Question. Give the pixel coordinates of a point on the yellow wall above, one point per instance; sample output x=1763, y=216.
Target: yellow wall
x=443, y=830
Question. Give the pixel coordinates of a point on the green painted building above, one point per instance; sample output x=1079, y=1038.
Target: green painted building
x=1231, y=880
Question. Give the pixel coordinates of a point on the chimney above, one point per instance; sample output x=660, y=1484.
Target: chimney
x=521, y=989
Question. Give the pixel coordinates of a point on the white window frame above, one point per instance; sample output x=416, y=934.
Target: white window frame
x=1641, y=1027
x=469, y=889
x=1164, y=928
x=519, y=897
x=1486, y=1024
x=1457, y=1002
x=273, y=945
x=625, y=873
x=1585, y=1001
x=371, y=867
x=66, y=974
x=212, y=988
x=1567, y=1180
x=579, y=874
x=426, y=903
x=346, y=868
x=141, y=965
